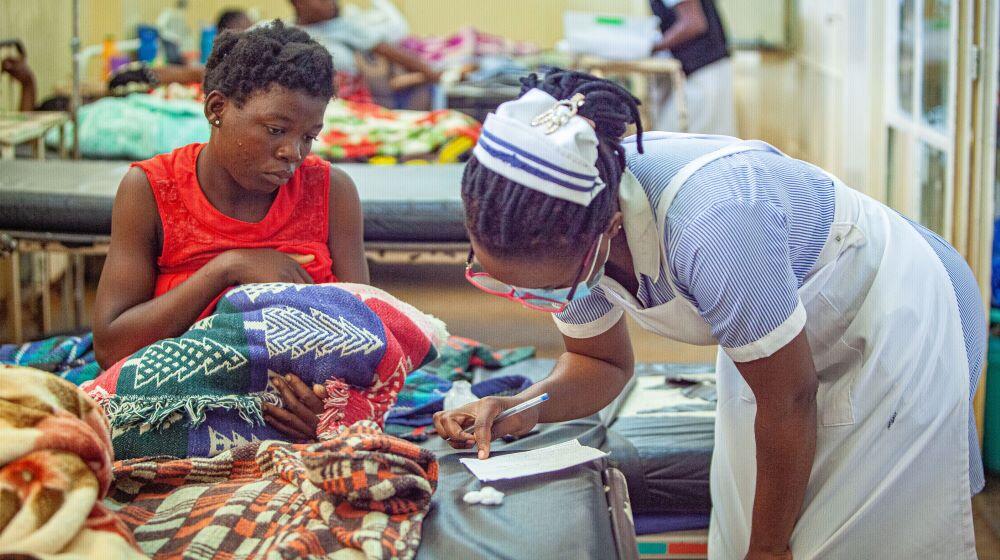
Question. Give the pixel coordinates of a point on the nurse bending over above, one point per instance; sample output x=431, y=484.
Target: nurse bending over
x=850, y=339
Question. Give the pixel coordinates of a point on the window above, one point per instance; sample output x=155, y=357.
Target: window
x=920, y=108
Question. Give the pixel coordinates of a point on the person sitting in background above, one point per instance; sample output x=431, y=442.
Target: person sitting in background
x=344, y=39
x=693, y=33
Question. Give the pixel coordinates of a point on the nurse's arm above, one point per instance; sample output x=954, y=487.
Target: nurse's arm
x=784, y=386
x=587, y=377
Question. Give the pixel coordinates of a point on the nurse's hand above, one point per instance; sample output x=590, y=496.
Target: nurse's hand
x=479, y=415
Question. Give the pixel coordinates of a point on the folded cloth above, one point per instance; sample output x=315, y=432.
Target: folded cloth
x=423, y=393
x=69, y=357
x=202, y=393
x=421, y=389
x=55, y=468
x=424, y=415
x=459, y=358
x=361, y=494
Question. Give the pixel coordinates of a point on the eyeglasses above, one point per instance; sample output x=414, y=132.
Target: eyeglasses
x=492, y=286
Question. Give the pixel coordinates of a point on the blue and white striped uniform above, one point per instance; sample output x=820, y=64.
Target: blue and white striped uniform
x=740, y=238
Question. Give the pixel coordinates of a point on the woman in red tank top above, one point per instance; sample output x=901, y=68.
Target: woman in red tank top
x=249, y=206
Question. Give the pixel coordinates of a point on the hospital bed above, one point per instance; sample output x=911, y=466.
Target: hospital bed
x=65, y=207
x=661, y=438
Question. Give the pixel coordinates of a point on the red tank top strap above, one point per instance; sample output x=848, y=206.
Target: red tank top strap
x=172, y=178
x=314, y=198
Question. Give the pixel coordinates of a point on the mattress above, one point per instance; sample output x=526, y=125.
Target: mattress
x=556, y=515
x=661, y=439
x=402, y=204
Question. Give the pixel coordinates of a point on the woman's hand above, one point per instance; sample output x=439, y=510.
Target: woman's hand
x=256, y=266
x=479, y=415
x=299, y=417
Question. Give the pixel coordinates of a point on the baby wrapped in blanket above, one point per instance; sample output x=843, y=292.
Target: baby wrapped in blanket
x=201, y=393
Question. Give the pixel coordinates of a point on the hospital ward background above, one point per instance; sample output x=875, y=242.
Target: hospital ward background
x=896, y=98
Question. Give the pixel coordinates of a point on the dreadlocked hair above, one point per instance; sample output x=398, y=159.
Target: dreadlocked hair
x=243, y=63
x=508, y=219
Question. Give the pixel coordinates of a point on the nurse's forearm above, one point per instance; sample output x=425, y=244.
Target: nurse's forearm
x=578, y=387
x=786, y=445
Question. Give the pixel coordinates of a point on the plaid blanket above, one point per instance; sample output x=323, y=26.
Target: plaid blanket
x=361, y=494
x=359, y=131
x=201, y=393
x=55, y=467
x=69, y=357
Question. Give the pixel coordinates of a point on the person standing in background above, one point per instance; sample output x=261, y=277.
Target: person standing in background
x=345, y=38
x=694, y=35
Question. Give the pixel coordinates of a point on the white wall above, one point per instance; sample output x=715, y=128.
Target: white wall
x=821, y=101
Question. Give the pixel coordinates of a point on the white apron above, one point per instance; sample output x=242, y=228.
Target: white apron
x=891, y=473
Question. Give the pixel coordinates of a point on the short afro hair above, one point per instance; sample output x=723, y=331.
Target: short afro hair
x=244, y=63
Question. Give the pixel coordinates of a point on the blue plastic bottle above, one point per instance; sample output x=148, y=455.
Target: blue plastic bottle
x=148, y=39
x=207, y=39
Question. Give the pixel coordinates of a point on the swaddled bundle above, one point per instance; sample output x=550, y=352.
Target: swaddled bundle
x=201, y=393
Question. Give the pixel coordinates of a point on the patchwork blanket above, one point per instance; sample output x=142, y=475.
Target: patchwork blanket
x=201, y=393
x=361, y=494
x=359, y=131
x=55, y=468
x=69, y=357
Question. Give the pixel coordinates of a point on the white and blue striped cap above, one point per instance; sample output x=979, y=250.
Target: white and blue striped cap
x=539, y=142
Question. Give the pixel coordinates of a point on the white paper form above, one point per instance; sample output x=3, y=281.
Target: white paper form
x=537, y=461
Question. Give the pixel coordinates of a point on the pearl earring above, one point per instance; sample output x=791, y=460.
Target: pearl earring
x=218, y=122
